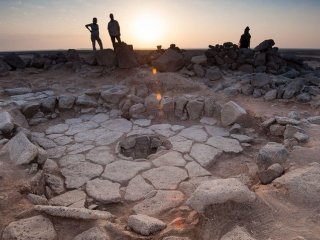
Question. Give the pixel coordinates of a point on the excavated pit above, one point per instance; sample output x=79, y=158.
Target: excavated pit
x=142, y=146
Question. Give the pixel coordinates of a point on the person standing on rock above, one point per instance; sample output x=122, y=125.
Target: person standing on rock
x=114, y=30
x=245, y=39
x=94, y=29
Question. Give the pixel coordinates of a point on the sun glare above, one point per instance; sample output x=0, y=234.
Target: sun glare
x=148, y=28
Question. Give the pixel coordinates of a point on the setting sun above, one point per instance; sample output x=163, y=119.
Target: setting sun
x=148, y=28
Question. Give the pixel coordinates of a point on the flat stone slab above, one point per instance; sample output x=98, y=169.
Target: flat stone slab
x=81, y=127
x=104, y=191
x=170, y=159
x=180, y=144
x=37, y=227
x=44, y=142
x=21, y=150
x=242, y=138
x=145, y=225
x=79, y=148
x=137, y=189
x=108, y=137
x=122, y=171
x=238, y=233
x=220, y=191
x=208, y=121
x=160, y=203
x=89, y=135
x=68, y=198
x=166, y=178
x=63, y=140
x=204, y=154
x=100, y=118
x=194, y=133
x=217, y=131
x=56, y=152
x=140, y=131
x=71, y=160
x=78, y=174
x=142, y=122
x=74, y=213
x=60, y=128
x=95, y=233
x=195, y=170
x=100, y=155
x=227, y=145
x=118, y=125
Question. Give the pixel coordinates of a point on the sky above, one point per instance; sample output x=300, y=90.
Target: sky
x=59, y=24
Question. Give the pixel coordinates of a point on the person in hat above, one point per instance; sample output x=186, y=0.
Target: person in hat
x=94, y=29
x=245, y=39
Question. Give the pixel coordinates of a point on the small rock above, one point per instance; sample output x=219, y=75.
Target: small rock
x=273, y=172
x=213, y=74
x=270, y=154
x=66, y=101
x=145, y=225
x=195, y=108
x=6, y=122
x=86, y=101
x=30, y=109
x=277, y=130
x=37, y=200
x=68, y=198
x=301, y=137
x=271, y=95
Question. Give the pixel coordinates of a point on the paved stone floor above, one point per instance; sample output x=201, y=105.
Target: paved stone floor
x=85, y=150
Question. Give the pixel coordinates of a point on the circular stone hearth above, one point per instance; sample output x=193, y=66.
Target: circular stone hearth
x=142, y=146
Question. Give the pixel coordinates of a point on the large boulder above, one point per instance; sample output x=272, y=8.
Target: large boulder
x=232, y=113
x=302, y=185
x=37, y=227
x=14, y=61
x=270, y=154
x=260, y=80
x=126, y=57
x=170, y=61
x=6, y=122
x=21, y=150
x=220, y=191
x=265, y=45
x=106, y=57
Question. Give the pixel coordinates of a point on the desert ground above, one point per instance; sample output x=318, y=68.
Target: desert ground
x=220, y=143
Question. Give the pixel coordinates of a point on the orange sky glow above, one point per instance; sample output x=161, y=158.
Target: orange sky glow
x=59, y=24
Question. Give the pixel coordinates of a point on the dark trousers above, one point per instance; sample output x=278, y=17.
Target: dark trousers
x=113, y=40
x=93, y=40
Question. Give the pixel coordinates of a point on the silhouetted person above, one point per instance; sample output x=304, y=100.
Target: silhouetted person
x=114, y=30
x=94, y=29
x=245, y=39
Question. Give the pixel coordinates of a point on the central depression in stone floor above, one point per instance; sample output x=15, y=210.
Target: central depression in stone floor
x=141, y=146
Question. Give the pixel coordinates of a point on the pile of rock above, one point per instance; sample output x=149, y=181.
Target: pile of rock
x=124, y=58
x=288, y=128
x=263, y=58
x=134, y=102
